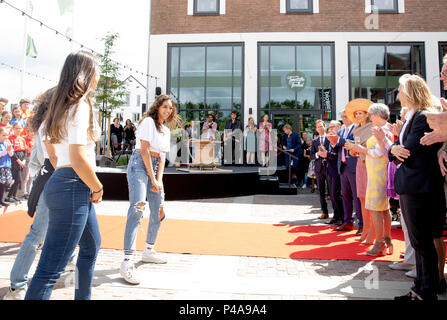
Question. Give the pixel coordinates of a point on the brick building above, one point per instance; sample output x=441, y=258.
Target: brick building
x=297, y=60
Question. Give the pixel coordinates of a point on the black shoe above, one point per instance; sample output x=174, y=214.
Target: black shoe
x=332, y=221
x=4, y=203
x=410, y=296
x=16, y=199
x=10, y=200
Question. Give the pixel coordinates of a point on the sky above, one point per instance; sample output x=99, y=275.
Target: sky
x=91, y=20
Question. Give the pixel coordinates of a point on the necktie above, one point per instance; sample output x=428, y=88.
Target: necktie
x=343, y=151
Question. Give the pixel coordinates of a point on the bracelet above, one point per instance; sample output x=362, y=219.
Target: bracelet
x=102, y=189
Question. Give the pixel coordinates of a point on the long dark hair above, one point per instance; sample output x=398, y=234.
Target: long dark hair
x=40, y=111
x=75, y=83
x=173, y=119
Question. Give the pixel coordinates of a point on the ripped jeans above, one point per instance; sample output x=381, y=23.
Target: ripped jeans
x=139, y=192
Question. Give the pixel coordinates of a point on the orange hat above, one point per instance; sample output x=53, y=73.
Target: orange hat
x=357, y=105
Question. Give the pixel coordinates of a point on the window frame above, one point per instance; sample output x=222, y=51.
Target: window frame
x=395, y=10
x=385, y=44
x=441, y=55
x=309, y=10
x=198, y=13
x=177, y=99
x=319, y=112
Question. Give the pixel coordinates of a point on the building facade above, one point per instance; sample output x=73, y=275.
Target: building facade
x=134, y=100
x=296, y=60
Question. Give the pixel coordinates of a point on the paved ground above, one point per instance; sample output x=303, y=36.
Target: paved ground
x=195, y=277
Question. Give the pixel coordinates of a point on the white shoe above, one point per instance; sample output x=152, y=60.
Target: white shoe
x=412, y=273
x=150, y=257
x=401, y=266
x=15, y=294
x=304, y=186
x=127, y=271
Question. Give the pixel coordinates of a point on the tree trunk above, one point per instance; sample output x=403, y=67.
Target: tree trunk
x=109, y=136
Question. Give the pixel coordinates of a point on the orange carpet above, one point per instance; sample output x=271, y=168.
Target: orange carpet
x=226, y=238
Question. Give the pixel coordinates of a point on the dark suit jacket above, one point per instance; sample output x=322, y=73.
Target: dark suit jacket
x=420, y=173
x=237, y=125
x=332, y=159
x=351, y=162
x=320, y=163
x=296, y=146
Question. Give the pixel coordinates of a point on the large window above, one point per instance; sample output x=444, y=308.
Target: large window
x=206, y=6
x=385, y=6
x=296, y=77
x=299, y=6
x=206, y=78
x=442, y=53
x=375, y=70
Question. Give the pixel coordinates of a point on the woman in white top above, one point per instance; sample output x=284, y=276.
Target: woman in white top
x=145, y=179
x=74, y=187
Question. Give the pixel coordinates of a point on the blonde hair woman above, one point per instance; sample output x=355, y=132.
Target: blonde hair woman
x=419, y=183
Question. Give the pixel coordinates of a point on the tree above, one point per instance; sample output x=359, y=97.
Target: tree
x=111, y=91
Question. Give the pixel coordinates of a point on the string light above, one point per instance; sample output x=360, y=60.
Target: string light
x=28, y=73
x=73, y=41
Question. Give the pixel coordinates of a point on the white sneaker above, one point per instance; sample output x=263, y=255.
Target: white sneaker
x=304, y=186
x=150, y=257
x=15, y=294
x=128, y=272
x=401, y=266
x=412, y=273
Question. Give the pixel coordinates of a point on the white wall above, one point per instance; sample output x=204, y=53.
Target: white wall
x=159, y=43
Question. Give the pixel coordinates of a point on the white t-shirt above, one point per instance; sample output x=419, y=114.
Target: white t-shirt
x=42, y=139
x=77, y=133
x=159, y=142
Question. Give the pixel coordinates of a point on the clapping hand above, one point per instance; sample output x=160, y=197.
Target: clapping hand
x=378, y=133
x=437, y=121
x=400, y=153
x=442, y=160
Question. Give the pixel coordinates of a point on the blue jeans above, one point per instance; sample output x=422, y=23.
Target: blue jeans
x=28, y=250
x=139, y=192
x=72, y=221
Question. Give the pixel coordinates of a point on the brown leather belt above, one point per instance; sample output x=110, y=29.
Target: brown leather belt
x=155, y=155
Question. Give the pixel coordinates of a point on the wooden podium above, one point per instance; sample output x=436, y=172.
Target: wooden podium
x=205, y=153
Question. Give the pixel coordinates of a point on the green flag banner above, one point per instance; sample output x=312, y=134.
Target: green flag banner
x=65, y=6
x=31, y=50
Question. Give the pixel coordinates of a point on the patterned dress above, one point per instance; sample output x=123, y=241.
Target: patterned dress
x=265, y=139
x=376, y=166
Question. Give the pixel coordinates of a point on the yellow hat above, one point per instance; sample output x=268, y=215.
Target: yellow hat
x=357, y=105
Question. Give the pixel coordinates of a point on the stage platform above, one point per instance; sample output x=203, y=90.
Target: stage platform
x=192, y=183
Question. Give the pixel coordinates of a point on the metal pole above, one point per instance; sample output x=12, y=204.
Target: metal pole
x=290, y=170
x=148, y=56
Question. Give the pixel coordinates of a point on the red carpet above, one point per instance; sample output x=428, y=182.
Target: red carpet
x=226, y=238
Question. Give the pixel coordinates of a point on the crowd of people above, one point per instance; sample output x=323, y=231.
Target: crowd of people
x=365, y=163
x=16, y=143
x=369, y=163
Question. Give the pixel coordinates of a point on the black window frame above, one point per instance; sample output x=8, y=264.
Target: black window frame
x=385, y=44
x=395, y=10
x=198, y=13
x=241, y=112
x=317, y=112
x=308, y=10
x=441, y=55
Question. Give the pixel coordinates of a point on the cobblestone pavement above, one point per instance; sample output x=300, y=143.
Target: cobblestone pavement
x=197, y=277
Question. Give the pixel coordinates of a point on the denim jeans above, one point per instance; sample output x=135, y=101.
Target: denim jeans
x=28, y=250
x=72, y=221
x=139, y=192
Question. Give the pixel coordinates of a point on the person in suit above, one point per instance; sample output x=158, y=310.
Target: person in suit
x=234, y=135
x=419, y=183
x=320, y=165
x=291, y=142
x=346, y=166
x=333, y=176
